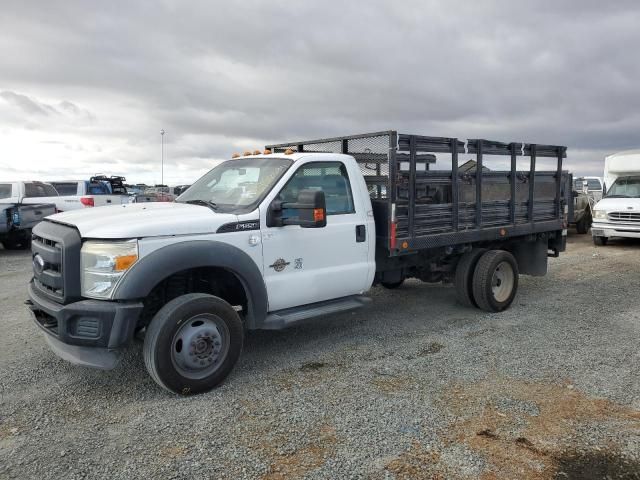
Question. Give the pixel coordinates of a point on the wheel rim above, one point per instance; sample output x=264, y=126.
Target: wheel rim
x=502, y=281
x=199, y=346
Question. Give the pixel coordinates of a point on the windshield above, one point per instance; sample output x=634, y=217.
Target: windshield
x=625, y=187
x=592, y=184
x=237, y=185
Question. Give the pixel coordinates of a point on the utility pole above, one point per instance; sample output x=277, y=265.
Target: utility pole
x=162, y=157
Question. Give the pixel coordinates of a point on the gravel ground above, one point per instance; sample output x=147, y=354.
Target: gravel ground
x=413, y=386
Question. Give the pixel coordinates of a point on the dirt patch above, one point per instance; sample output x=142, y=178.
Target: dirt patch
x=524, y=445
x=391, y=383
x=416, y=463
x=596, y=466
x=304, y=459
x=433, y=347
x=172, y=452
x=312, y=366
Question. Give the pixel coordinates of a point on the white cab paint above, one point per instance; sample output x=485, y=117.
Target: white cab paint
x=321, y=263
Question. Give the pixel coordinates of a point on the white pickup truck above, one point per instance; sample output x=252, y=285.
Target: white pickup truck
x=96, y=192
x=618, y=213
x=269, y=240
x=22, y=206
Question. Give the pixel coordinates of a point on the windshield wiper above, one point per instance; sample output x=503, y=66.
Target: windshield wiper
x=618, y=196
x=205, y=203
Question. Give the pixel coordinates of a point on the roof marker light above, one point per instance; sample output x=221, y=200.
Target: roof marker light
x=247, y=153
x=235, y=155
x=266, y=152
x=256, y=152
x=288, y=151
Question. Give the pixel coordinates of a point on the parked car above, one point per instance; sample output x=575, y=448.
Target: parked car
x=581, y=210
x=159, y=193
x=591, y=185
x=618, y=213
x=180, y=189
x=19, y=213
x=96, y=192
x=270, y=240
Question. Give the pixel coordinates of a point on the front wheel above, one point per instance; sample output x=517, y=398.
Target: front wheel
x=193, y=343
x=600, y=241
x=495, y=281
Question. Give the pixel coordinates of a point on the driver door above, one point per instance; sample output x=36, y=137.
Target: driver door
x=308, y=265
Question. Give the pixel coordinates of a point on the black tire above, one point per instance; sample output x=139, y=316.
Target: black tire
x=495, y=281
x=162, y=356
x=600, y=241
x=464, y=277
x=14, y=242
x=392, y=285
x=583, y=225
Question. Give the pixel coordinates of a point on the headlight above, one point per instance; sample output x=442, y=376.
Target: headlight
x=102, y=264
x=599, y=215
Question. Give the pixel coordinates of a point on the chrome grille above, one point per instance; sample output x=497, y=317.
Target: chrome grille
x=50, y=277
x=56, y=261
x=624, y=217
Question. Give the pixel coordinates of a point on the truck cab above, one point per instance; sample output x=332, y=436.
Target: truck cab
x=275, y=237
x=618, y=213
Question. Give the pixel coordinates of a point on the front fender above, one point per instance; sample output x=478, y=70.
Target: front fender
x=150, y=270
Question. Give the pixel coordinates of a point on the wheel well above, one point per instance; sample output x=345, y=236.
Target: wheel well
x=212, y=280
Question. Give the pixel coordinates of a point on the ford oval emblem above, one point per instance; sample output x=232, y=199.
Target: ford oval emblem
x=38, y=264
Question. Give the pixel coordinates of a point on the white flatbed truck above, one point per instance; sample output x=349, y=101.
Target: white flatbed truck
x=301, y=230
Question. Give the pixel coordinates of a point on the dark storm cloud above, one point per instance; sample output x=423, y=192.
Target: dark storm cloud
x=219, y=76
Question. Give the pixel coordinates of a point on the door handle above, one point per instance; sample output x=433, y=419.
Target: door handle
x=361, y=233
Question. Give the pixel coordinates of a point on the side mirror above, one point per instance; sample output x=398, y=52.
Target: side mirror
x=309, y=211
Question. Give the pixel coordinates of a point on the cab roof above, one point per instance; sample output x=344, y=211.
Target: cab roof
x=296, y=156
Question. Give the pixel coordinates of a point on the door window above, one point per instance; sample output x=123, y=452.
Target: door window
x=5, y=190
x=35, y=189
x=66, y=188
x=329, y=177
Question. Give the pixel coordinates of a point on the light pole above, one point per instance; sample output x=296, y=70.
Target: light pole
x=162, y=157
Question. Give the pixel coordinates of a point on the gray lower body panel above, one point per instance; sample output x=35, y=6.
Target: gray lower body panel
x=291, y=316
x=100, y=358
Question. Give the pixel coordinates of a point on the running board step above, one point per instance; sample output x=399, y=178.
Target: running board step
x=285, y=318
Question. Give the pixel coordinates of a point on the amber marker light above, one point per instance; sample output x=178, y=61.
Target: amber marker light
x=124, y=262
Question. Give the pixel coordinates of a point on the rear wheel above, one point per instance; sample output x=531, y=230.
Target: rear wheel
x=583, y=225
x=600, y=241
x=495, y=281
x=193, y=343
x=464, y=277
x=392, y=285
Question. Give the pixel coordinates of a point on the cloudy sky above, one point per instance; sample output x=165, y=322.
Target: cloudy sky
x=86, y=87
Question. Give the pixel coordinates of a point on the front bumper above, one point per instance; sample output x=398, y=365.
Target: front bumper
x=87, y=332
x=602, y=229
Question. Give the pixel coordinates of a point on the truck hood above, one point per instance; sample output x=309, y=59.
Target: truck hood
x=618, y=205
x=153, y=219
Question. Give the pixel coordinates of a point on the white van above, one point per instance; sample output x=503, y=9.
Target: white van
x=618, y=213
